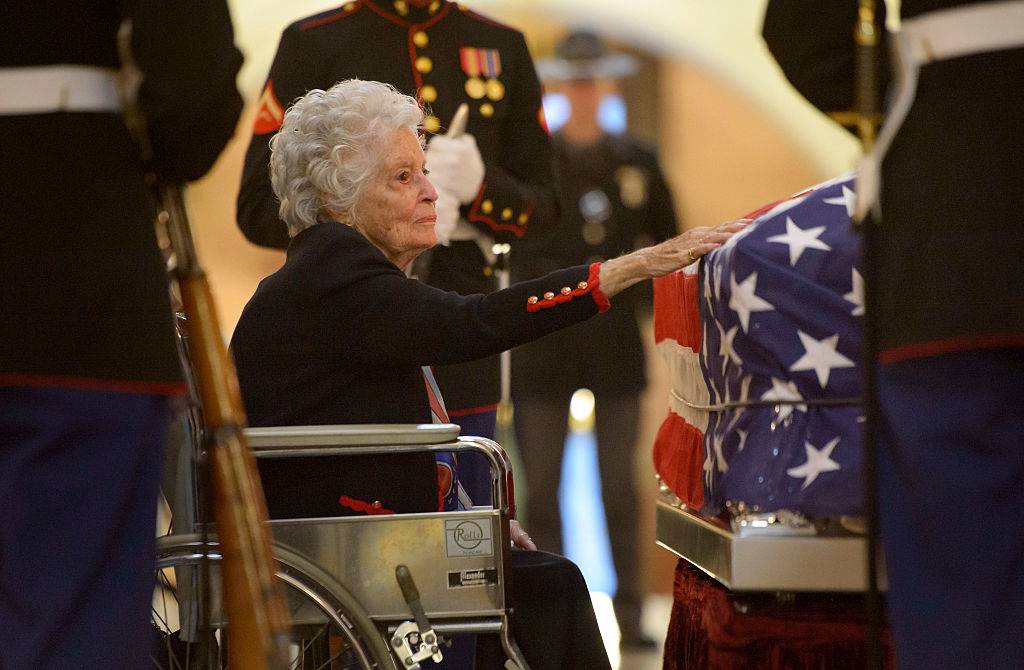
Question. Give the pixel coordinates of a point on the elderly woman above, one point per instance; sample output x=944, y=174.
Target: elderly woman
x=340, y=335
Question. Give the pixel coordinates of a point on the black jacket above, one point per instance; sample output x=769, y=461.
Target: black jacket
x=949, y=245
x=614, y=199
x=338, y=335
x=83, y=289
x=369, y=39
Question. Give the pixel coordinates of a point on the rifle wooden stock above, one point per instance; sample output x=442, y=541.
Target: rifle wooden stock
x=256, y=609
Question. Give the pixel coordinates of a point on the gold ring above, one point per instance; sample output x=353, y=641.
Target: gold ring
x=689, y=253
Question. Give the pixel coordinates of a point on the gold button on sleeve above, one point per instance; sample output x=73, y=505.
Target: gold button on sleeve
x=566, y=290
x=523, y=218
x=428, y=93
x=432, y=124
x=532, y=300
x=582, y=286
x=549, y=295
x=420, y=39
x=506, y=213
x=486, y=206
x=424, y=64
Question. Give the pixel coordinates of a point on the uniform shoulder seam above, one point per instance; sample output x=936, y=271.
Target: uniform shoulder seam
x=328, y=17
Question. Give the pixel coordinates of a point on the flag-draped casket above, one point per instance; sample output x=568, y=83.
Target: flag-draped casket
x=762, y=339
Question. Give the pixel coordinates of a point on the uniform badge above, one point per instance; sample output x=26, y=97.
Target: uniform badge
x=482, y=68
x=632, y=186
x=269, y=114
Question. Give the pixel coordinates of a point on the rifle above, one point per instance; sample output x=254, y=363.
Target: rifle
x=254, y=602
x=255, y=605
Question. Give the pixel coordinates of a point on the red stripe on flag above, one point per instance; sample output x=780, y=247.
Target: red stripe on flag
x=679, y=459
x=676, y=313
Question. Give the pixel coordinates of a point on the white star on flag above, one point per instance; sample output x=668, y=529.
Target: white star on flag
x=856, y=294
x=725, y=348
x=718, y=281
x=743, y=300
x=848, y=199
x=716, y=442
x=818, y=461
x=820, y=356
x=799, y=239
x=783, y=390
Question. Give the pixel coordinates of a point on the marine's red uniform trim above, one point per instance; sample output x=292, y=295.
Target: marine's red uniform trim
x=951, y=345
x=95, y=384
x=567, y=293
x=476, y=216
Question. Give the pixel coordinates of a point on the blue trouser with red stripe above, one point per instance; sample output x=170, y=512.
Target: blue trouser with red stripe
x=951, y=497
x=79, y=478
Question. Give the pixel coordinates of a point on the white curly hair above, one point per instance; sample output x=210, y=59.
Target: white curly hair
x=330, y=145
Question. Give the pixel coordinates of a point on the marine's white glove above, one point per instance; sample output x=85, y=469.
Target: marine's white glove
x=447, y=210
x=455, y=166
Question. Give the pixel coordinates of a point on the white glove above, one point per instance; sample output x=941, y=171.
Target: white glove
x=447, y=210
x=456, y=166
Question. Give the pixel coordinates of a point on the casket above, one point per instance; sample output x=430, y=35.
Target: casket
x=760, y=454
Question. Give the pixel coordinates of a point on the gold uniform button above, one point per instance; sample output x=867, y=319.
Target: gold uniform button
x=532, y=300
x=487, y=110
x=401, y=7
x=523, y=218
x=432, y=124
x=377, y=504
x=566, y=290
x=434, y=6
x=428, y=93
x=424, y=64
x=488, y=271
x=506, y=213
x=349, y=6
x=486, y=206
x=549, y=295
x=420, y=39
x=582, y=286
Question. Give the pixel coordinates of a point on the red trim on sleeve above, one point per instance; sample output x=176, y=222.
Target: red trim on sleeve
x=516, y=228
x=363, y=506
x=603, y=305
x=951, y=345
x=94, y=384
x=567, y=293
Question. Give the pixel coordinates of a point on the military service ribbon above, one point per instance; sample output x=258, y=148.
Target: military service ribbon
x=480, y=64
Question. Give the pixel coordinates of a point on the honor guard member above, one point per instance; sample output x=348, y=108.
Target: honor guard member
x=88, y=359
x=948, y=305
x=614, y=199
x=496, y=182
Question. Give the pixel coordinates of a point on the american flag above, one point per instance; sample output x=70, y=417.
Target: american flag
x=763, y=344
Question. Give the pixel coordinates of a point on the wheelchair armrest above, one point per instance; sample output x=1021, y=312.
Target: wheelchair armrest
x=279, y=437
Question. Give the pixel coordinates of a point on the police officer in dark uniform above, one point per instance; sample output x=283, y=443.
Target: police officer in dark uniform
x=88, y=359
x=949, y=308
x=614, y=199
x=446, y=55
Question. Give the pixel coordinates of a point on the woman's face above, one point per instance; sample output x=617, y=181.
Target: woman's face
x=397, y=209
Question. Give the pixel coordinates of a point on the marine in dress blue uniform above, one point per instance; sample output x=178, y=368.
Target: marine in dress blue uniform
x=950, y=322
x=88, y=360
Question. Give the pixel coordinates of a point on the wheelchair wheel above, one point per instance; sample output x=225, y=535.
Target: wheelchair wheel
x=330, y=631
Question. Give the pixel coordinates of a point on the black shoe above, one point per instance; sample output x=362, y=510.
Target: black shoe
x=637, y=641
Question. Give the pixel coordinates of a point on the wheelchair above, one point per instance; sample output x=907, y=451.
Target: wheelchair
x=377, y=592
